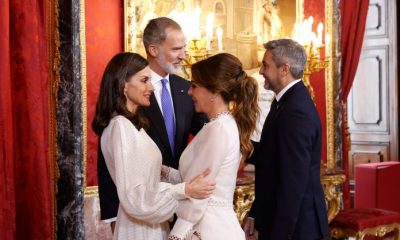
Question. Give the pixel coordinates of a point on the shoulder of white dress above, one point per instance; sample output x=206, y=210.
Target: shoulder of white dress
x=119, y=119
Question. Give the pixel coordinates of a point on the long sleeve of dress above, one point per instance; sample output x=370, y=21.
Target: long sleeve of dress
x=174, y=176
x=209, y=151
x=134, y=162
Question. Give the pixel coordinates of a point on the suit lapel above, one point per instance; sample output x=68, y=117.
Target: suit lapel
x=153, y=113
x=178, y=96
x=270, y=121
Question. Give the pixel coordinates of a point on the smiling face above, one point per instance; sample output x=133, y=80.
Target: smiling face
x=171, y=52
x=202, y=98
x=271, y=73
x=138, y=89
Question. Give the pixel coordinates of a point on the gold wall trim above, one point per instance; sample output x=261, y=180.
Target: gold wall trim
x=83, y=87
x=129, y=26
x=329, y=86
x=92, y=191
x=54, y=58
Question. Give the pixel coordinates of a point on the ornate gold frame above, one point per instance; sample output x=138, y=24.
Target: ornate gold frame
x=87, y=190
x=329, y=87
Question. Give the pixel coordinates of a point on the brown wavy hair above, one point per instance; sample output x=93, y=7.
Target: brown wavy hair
x=111, y=100
x=223, y=73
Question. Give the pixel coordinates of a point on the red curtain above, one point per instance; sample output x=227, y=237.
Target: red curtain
x=353, y=17
x=7, y=199
x=27, y=182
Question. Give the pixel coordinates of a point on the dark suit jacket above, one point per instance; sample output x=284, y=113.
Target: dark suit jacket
x=289, y=197
x=187, y=121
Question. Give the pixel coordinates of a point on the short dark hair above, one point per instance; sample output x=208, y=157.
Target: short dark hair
x=154, y=32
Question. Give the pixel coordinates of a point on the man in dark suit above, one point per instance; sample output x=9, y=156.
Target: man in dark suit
x=289, y=200
x=165, y=48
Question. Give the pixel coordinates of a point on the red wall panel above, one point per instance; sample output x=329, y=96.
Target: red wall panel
x=104, y=38
x=316, y=8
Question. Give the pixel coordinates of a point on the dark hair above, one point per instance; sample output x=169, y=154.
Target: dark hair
x=223, y=73
x=154, y=32
x=288, y=51
x=111, y=100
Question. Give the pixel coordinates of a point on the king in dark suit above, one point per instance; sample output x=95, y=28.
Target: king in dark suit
x=165, y=44
x=289, y=200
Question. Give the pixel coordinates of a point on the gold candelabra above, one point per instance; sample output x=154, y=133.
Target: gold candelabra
x=315, y=62
x=196, y=51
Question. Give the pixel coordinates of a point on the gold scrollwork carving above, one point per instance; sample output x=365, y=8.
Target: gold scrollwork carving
x=378, y=231
x=243, y=199
x=333, y=196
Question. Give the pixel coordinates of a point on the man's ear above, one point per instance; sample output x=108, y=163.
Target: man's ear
x=153, y=50
x=286, y=69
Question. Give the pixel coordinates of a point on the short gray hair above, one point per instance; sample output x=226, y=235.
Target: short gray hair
x=288, y=51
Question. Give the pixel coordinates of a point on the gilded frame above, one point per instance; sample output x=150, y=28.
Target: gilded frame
x=332, y=74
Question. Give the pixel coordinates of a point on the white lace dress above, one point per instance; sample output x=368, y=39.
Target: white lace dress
x=134, y=163
x=216, y=147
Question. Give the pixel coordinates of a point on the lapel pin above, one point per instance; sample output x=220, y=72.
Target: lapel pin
x=182, y=90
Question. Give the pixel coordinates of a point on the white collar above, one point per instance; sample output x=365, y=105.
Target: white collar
x=280, y=94
x=155, y=78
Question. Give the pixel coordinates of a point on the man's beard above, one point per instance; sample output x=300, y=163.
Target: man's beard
x=168, y=67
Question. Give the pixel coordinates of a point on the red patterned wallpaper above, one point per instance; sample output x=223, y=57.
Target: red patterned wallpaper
x=316, y=8
x=104, y=38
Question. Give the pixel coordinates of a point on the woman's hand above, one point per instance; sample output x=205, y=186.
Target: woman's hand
x=199, y=187
x=249, y=229
x=164, y=172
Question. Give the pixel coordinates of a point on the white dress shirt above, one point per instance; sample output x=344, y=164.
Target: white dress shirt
x=156, y=81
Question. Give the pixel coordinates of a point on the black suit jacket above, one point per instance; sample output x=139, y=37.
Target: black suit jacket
x=187, y=122
x=290, y=201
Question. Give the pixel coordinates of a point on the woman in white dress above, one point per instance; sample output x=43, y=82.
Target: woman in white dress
x=132, y=158
x=224, y=92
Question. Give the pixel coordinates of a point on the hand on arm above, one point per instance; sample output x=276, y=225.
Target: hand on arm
x=165, y=172
x=249, y=229
x=199, y=187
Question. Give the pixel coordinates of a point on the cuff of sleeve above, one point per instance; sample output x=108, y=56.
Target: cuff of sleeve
x=178, y=191
x=181, y=229
x=110, y=220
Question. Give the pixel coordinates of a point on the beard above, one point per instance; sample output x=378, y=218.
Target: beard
x=167, y=66
x=267, y=86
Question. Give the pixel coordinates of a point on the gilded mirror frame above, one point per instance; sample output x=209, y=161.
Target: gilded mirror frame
x=332, y=103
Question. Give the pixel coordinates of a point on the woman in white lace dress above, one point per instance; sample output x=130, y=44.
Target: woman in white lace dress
x=224, y=92
x=132, y=158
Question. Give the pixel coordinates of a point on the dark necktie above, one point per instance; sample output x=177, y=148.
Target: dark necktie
x=168, y=114
x=273, y=109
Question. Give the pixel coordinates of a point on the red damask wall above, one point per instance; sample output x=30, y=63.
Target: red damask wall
x=316, y=8
x=104, y=38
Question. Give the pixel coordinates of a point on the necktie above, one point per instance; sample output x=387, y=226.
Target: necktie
x=273, y=109
x=168, y=114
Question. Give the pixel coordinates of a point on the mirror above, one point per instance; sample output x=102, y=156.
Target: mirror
x=207, y=20
x=245, y=25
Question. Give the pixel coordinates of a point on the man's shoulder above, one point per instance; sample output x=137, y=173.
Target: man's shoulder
x=179, y=80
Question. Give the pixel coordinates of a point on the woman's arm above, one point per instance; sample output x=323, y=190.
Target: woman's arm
x=134, y=167
x=170, y=175
x=210, y=153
